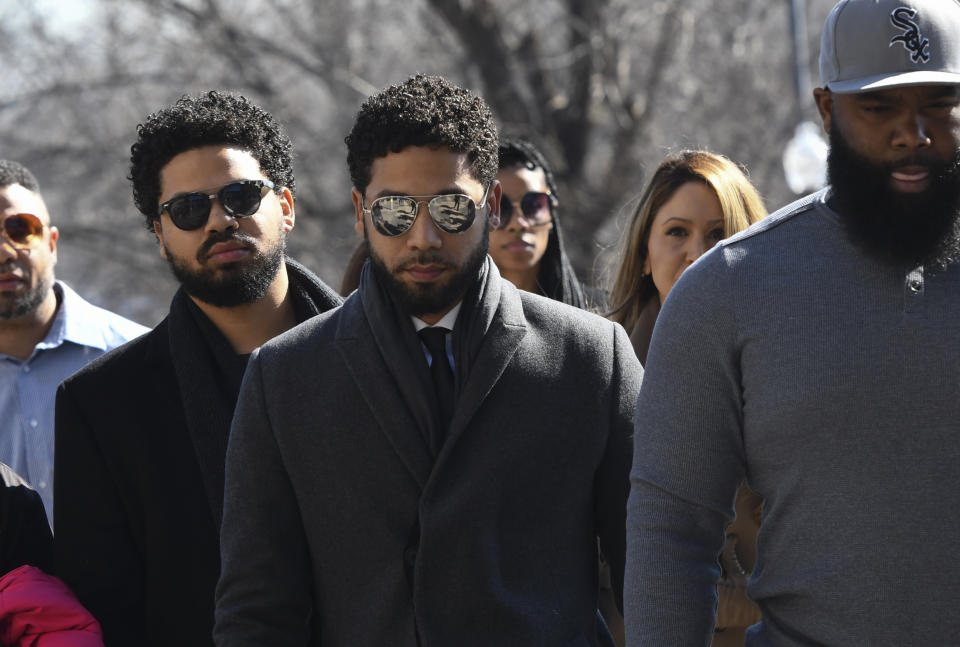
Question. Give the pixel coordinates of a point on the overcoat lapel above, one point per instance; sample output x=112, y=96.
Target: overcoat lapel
x=207, y=415
x=496, y=329
x=390, y=378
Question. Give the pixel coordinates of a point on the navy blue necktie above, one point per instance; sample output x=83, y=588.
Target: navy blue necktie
x=435, y=339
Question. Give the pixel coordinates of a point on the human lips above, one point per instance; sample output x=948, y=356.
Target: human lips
x=10, y=281
x=424, y=273
x=518, y=245
x=911, y=179
x=227, y=252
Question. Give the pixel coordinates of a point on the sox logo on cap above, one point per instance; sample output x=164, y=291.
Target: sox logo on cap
x=911, y=39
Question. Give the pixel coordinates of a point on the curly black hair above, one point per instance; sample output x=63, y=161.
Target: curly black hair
x=211, y=119
x=16, y=173
x=423, y=111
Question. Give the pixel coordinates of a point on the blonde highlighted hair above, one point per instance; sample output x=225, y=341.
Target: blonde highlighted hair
x=739, y=200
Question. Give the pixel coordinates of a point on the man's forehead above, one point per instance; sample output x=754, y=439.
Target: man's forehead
x=207, y=167
x=421, y=170
x=16, y=198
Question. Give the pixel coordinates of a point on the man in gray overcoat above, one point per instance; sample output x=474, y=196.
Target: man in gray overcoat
x=432, y=463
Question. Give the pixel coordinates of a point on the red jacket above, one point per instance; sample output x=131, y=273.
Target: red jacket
x=38, y=610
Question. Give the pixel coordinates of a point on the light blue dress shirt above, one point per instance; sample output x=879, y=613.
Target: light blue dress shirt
x=80, y=333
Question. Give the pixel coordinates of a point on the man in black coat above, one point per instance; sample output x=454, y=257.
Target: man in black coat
x=141, y=433
x=390, y=482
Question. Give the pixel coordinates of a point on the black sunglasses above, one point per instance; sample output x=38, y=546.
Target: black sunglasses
x=534, y=206
x=394, y=215
x=22, y=229
x=239, y=199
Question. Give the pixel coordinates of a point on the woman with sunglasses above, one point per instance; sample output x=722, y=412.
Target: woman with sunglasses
x=527, y=246
x=694, y=200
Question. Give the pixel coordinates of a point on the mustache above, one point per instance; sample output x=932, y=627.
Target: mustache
x=425, y=258
x=11, y=267
x=223, y=237
x=935, y=167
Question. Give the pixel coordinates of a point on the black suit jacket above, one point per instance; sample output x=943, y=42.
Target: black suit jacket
x=340, y=528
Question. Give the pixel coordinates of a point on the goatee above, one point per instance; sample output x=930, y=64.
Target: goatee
x=30, y=300
x=914, y=228
x=233, y=284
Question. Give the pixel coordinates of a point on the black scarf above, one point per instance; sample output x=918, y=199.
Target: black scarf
x=208, y=375
x=400, y=347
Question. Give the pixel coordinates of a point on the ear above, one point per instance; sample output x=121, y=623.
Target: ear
x=158, y=232
x=646, y=266
x=357, y=199
x=286, y=206
x=493, y=203
x=54, y=237
x=824, y=101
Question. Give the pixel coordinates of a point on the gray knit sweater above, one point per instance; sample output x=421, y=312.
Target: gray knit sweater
x=831, y=380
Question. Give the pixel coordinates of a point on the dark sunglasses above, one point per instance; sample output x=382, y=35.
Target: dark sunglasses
x=239, y=199
x=393, y=215
x=534, y=206
x=22, y=229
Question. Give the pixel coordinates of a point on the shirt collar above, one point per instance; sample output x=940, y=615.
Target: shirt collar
x=447, y=321
x=76, y=321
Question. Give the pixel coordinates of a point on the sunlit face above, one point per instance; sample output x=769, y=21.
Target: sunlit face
x=908, y=131
x=228, y=261
x=894, y=169
x=519, y=248
x=686, y=226
x=26, y=274
x=427, y=269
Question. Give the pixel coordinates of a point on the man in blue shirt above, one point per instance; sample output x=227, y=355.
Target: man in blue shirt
x=47, y=331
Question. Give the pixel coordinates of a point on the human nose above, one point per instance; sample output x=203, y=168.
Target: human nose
x=423, y=233
x=219, y=219
x=696, y=247
x=7, y=248
x=911, y=131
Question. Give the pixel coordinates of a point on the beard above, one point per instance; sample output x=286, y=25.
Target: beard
x=24, y=304
x=232, y=284
x=916, y=228
x=429, y=298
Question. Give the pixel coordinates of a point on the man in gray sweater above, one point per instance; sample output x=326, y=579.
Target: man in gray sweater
x=817, y=355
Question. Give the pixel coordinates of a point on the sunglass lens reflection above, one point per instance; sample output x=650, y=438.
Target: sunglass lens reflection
x=453, y=213
x=241, y=199
x=393, y=215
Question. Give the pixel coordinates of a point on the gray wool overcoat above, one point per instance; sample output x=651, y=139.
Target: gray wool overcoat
x=340, y=528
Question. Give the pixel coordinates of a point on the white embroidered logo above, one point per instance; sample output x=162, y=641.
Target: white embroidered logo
x=911, y=39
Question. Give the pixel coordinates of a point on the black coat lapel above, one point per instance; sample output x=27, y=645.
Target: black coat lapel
x=207, y=415
x=208, y=408
x=376, y=379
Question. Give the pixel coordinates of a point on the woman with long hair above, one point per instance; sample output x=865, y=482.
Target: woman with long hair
x=528, y=246
x=693, y=200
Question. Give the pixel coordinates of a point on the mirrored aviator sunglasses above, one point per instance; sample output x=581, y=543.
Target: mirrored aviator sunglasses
x=394, y=215
x=22, y=229
x=239, y=199
x=534, y=205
